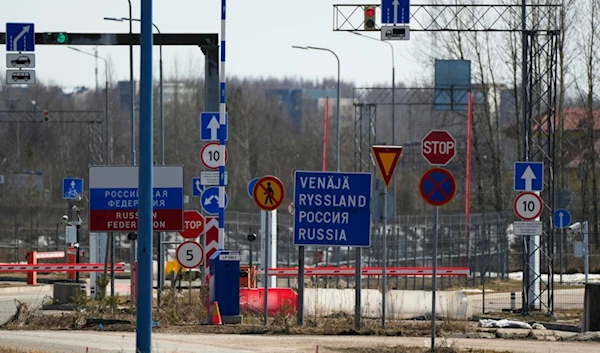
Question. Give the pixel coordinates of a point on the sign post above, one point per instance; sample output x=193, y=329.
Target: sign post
x=387, y=158
x=437, y=187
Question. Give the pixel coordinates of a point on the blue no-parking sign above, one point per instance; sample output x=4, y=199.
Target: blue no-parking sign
x=437, y=186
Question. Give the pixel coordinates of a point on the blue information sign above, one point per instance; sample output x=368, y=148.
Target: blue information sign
x=529, y=176
x=332, y=209
x=562, y=218
x=251, y=187
x=437, y=186
x=395, y=11
x=197, y=187
x=210, y=200
x=210, y=129
x=72, y=188
x=20, y=37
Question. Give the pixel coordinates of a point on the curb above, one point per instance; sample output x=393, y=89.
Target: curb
x=25, y=289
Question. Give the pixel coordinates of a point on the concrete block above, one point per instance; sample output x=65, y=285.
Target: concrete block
x=64, y=293
x=591, y=308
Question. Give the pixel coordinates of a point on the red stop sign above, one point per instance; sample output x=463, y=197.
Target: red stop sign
x=438, y=147
x=193, y=224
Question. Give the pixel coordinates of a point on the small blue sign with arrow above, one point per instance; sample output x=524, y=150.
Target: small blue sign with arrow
x=20, y=37
x=211, y=129
x=197, y=187
x=562, y=218
x=72, y=188
x=529, y=176
x=395, y=11
x=210, y=200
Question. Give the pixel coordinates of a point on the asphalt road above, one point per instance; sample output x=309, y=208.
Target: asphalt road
x=30, y=295
x=104, y=342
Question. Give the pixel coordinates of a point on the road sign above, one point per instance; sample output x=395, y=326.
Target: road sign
x=211, y=155
x=211, y=239
x=197, y=187
x=114, y=199
x=210, y=129
x=20, y=60
x=377, y=206
x=211, y=177
x=562, y=218
x=72, y=188
x=190, y=254
x=290, y=208
x=528, y=206
x=332, y=208
x=438, y=147
x=268, y=193
x=210, y=200
x=20, y=77
x=387, y=158
x=437, y=186
x=250, y=188
x=395, y=11
x=20, y=37
x=529, y=176
x=193, y=224
x=527, y=228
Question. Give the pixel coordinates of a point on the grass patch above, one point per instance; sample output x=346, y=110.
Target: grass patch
x=13, y=350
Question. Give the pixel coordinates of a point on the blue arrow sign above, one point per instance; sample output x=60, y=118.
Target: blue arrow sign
x=72, y=188
x=20, y=37
x=562, y=218
x=210, y=200
x=211, y=129
x=197, y=187
x=529, y=176
x=395, y=11
x=251, y=186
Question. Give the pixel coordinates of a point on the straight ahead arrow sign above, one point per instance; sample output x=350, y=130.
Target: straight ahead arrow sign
x=213, y=126
x=395, y=3
x=528, y=176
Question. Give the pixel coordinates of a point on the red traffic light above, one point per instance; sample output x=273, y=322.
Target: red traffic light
x=46, y=115
x=370, y=11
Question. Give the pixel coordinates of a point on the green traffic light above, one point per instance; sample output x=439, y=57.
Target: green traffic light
x=61, y=38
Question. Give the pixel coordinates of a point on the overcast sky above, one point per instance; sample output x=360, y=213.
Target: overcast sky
x=260, y=34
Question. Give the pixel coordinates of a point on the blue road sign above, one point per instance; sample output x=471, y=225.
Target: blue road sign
x=197, y=187
x=72, y=188
x=20, y=37
x=251, y=187
x=210, y=200
x=395, y=11
x=210, y=129
x=332, y=209
x=437, y=186
x=562, y=218
x=529, y=176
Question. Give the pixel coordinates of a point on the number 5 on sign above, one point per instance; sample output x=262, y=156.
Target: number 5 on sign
x=211, y=155
x=190, y=254
x=528, y=206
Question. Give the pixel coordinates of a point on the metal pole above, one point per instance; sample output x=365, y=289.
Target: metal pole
x=528, y=243
x=131, y=90
x=434, y=279
x=586, y=253
x=337, y=115
x=145, y=170
x=77, y=227
x=107, y=114
x=112, y=265
x=357, y=289
x=384, y=268
x=266, y=266
x=300, y=286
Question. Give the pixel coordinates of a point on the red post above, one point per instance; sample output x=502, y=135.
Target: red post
x=71, y=258
x=32, y=260
x=326, y=134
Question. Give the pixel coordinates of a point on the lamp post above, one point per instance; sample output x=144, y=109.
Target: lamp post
x=337, y=113
x=384, y=278
x=160, y=75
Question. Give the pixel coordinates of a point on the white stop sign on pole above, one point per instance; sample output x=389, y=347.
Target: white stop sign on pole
x=528, y=206
x=190, y=254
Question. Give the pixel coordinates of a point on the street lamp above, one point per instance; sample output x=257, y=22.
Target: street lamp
x=337, y=162
x=160, y=74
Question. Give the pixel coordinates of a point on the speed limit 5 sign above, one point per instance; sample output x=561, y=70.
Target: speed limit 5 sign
x=528, y=206
x=190, y=254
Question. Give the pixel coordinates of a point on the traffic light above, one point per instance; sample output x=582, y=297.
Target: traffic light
x=369, y=24
x=46, y=115
x=56, y=38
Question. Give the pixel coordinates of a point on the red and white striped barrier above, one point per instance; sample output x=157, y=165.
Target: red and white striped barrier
x=58, y=267
x=369, y=271
x=49, y=255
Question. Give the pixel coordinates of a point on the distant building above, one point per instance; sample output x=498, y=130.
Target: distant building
x=124, y=88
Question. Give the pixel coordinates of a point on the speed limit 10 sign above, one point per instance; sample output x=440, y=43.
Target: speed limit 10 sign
x=190, y=254
x=211, y=155
x=528, y=206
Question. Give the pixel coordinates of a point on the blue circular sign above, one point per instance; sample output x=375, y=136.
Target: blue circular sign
x=437, y=186
x=251, y=187
x=562, y=218
x=210, y=200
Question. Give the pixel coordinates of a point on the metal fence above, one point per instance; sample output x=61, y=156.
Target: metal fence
x=487, y=248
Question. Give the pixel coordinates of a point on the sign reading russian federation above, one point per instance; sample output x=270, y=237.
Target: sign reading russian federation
x=114, y=198
x=332, y=208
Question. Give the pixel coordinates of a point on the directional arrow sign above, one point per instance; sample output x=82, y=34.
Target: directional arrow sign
x=562, y=218
x=20, y=37
x=529, y=176
x=197, y=187
x=395, y=11
x=210, y=200
x=210, y=127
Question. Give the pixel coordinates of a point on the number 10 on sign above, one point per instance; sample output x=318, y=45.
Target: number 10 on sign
x=528, y=206
x=211, y=155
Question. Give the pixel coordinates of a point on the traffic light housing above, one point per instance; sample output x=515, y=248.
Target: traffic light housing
x=56, y=38
x=46, y=115
x=369, y=23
